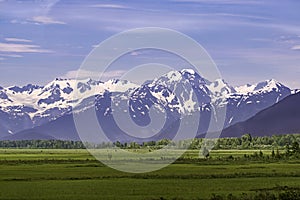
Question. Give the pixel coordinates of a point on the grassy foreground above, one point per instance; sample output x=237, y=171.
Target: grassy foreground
x=74, y=174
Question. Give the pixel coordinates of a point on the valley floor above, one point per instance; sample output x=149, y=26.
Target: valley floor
x=74, y=174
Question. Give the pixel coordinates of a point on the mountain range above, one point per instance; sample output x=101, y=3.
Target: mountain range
x=46, y=112
x=280, y=118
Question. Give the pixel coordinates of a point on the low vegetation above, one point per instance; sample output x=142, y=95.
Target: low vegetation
x=245, y=142
x=268, y=172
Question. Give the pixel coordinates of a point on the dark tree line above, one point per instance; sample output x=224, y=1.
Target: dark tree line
x=42, y=144
x=289, y=142
x=266, y=142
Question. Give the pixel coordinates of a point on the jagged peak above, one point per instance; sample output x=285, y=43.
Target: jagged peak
x=295, y=91
x=70, y=82
x=188, y=70
x=263, y=86
x=29, y=88
x=61, y=79
x=118, y=81
x=221, y=81
x=220, y=87
x=174, y=75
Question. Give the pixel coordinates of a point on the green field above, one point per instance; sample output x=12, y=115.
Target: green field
x=74, y=174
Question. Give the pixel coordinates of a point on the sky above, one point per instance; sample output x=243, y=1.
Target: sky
x=249, y=40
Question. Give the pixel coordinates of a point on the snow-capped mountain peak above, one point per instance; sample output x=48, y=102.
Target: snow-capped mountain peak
x=180, y=92
x=190, y=71
x=172, y=76
x=220, y=88
x=117, y=85
x=261, y=87
x=295, y=91
x=28, y=88
x=268, y=85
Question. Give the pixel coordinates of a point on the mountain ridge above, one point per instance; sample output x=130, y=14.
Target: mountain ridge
x=26, y=107
x=280, y=118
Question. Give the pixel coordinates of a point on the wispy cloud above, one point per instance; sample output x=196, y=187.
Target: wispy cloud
x=135, y=53
x=296, y=47
x=233, y=32
x=82, y=74
x=11, y=55
x=22, y=48
x=37, y=20
x=116, y=6
x=95, y=45
x=46, y=20
x=16, y=21
x=16, y=40
x=247, y=2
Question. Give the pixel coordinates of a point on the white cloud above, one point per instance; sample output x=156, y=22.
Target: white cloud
x=95, y=45
x=82, y=74
x=2, y=58
x=11, y=55
x=296, y=47
x=116, y=6
x=135, y=53
x=17, y=40
x=46, y=20
x=15, y=21
x=22, y=48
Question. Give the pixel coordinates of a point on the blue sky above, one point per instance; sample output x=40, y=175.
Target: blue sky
x=249, y=40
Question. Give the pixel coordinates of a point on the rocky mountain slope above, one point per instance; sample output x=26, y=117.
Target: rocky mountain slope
x=177, y=94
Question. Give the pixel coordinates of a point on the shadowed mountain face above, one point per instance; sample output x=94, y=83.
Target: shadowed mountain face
x=29, y=135
x=47, y=110
x=60, y=129
x=281, y=118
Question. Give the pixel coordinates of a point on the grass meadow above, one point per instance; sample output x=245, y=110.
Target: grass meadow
x=75, y=174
